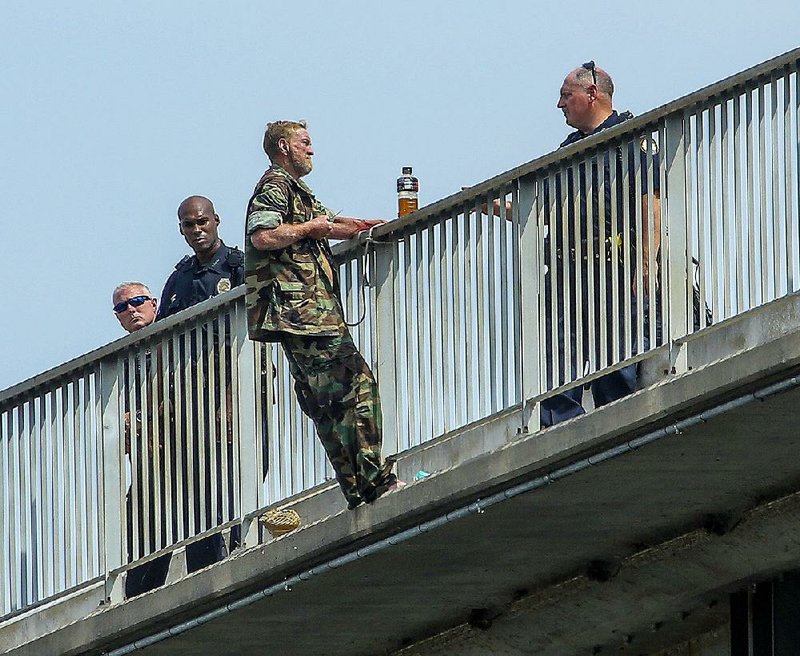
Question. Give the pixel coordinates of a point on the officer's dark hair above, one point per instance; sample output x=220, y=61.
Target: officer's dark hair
x=278, y=130
x=604, y=83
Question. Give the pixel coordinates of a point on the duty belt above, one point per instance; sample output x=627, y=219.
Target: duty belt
x=598, y=252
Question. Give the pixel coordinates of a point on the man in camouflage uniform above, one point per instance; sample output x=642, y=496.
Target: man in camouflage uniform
x=293, y=298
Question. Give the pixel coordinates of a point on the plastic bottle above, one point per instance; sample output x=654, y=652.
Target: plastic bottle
x=407, y=192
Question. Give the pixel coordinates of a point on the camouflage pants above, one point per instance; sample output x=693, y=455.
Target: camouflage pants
x=336, y=388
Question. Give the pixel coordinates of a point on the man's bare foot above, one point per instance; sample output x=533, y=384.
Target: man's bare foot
x=397, y=485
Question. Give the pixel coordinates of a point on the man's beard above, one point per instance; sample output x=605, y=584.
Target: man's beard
x=302, y=165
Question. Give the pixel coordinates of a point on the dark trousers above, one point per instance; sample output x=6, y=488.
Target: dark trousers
x=612, y=386
x=153, y=573
x=336, y=388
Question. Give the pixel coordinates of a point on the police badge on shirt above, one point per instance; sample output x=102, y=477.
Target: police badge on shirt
x=224, y=285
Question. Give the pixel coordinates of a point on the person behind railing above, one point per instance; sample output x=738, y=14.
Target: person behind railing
x=212, y=269
x=135, y=308
x=586, y=100
x=134, y=305
x=293, y=298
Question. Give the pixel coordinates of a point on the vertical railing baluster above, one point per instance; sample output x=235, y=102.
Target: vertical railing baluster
x=762, y=206
x=776, y=221
x=449, y=321
x=505, y=324
x=457, y=231
x=7, y=498
x=549, y=219
x=150, y=417
x=249, y=436
x=435, y=310
x=44, y=464
x=112, y=454
x=790, y=246
x=529, y=219
x=598, y=335
x=703, y=247
x=479, y=329
x=71, y=511
x=178, y=399
x=725, y=222
x=92, y=442
x=739, y=251
x=385, y=368
x=422, y=334
x=752, y=223
x=493, y=281
x=675, y=214
x=470, y=315
x=796, y=141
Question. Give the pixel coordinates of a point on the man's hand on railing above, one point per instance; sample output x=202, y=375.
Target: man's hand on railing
x=497, y=207
x=345, y=227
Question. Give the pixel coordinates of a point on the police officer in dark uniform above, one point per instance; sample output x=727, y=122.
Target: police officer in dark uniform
x=585, y=100
x=214, y=268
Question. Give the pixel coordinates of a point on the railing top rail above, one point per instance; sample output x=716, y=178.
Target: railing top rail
x=429, y=213
x=127, y=341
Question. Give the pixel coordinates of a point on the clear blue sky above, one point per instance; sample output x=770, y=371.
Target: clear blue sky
x=113, y=112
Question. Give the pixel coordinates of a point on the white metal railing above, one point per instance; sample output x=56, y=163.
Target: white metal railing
x=469, y=311
x=50, y=497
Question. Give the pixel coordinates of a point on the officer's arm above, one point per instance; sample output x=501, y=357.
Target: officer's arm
x=647, y=247
x=286, y=234
x=164, y=302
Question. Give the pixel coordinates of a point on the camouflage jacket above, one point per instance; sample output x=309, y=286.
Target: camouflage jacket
x=294, y=289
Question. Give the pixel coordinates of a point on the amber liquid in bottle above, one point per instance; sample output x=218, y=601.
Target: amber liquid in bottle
x=407, y=192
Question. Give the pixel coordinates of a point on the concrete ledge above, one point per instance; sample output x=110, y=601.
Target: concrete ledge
x=50, y=617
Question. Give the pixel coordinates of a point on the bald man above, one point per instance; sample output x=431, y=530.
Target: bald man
x=214, y=268
x=585, y=99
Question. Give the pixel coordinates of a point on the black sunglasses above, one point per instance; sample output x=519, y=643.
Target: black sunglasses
x=135, y=301
x=589, y=66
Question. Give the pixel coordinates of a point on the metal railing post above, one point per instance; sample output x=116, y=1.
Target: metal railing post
x=675, y=217
x=384, y=365
x=526, y=225
x=250, y=426
x=112, y=456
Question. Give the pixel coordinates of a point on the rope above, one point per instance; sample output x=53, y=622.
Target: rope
x=364, y=282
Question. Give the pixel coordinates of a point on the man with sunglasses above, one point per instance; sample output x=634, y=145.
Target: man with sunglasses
x=585, y=232
x=134, y=306
x=293, y=298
